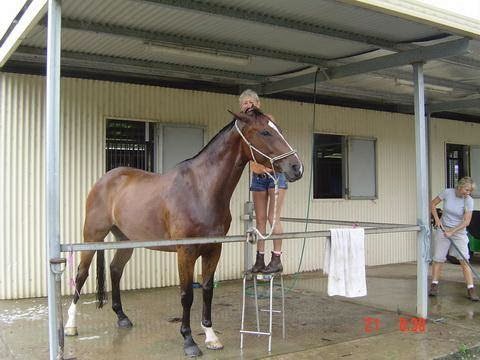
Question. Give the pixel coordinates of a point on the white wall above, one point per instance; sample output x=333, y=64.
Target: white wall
x=85, y=105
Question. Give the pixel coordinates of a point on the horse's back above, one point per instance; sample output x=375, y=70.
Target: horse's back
x=113, y=181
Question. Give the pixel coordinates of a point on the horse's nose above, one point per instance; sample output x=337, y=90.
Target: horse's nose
x=297, y=170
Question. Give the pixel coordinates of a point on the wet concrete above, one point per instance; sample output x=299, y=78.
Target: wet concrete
x=378, y=326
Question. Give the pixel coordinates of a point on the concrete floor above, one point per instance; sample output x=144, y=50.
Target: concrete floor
x=318, y=326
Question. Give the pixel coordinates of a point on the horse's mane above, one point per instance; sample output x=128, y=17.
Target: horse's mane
x=212, y=140
x=253, y=111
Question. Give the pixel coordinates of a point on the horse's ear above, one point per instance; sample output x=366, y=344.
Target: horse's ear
x=241, y=116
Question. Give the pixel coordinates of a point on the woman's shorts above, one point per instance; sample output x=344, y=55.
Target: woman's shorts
x=441, y=245
x=263, y=182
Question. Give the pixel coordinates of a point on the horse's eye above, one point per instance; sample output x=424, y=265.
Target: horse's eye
x=265, y=133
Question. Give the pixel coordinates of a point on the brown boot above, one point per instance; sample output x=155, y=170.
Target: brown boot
x=433, y=290
x=259, y=264
x=274, y=266
x=472, y=295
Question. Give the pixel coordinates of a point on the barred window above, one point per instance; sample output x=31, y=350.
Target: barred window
x=129, y=143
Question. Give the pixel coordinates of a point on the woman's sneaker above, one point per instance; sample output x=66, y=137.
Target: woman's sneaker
x=472, y=295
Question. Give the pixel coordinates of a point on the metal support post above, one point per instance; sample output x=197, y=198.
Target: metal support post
x=248, y=223
x=52, y=176
x=423, y=237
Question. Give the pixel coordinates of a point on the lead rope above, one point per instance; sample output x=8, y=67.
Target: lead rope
x=70, y=262
x=253, y=233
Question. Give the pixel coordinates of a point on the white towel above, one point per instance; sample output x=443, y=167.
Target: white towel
x=345, y=262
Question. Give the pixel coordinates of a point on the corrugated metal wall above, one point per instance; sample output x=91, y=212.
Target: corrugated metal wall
x=85, y=105
x=452, y=132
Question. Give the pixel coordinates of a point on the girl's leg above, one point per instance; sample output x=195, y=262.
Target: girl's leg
x=278, y=203
x=274, y=213
x=260, y=204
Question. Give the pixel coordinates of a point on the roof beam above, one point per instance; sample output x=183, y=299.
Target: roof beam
x=95, y=64
x=109, y=63
x=430, y=80
x=161, y=37
x=453, y=105
x=29, y=19
x=422, y=54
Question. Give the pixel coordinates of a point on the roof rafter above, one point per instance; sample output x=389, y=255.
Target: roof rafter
x=383, y=62
x=454, y=105
x=134, y=66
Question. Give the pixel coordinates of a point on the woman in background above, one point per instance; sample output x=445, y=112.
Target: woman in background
x=456, y=216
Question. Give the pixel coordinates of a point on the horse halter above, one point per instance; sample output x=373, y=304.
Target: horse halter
x=271, y=159
x=253, y=233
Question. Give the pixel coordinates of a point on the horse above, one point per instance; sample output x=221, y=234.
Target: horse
x=190, y=200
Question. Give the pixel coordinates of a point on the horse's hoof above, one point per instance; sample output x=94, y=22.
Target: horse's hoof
x=70, y=331
x=192, y=350
x=124, y=323
x=214, y=345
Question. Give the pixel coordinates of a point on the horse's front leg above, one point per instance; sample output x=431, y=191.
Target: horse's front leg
x=209, y=264
x=186, y=264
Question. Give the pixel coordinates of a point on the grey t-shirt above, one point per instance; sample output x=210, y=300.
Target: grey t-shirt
x=454, y=207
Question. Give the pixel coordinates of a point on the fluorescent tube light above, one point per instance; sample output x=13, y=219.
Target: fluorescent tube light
x=439, y=88
x=199, y=53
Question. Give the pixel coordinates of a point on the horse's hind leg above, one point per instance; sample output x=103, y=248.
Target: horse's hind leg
x=97, y=226
x=82, y=274
x=209, y=264
x=116, y=270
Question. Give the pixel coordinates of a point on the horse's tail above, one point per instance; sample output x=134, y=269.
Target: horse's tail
x=101, y=294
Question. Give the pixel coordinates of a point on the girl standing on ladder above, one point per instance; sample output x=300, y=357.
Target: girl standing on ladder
x=263, y=191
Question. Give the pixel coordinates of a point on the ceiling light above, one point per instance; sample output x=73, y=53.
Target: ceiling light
x=199, y=53
x=439, y=88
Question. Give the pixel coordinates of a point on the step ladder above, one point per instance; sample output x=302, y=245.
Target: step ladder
x=271, y=279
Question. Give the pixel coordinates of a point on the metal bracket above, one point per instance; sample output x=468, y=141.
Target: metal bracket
x=57, y=261
x=252, y=236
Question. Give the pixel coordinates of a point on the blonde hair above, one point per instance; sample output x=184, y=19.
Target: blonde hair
x=248, y=94
x=467, y=180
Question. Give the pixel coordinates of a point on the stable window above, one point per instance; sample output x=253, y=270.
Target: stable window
x=344, y=167
x=150, y=146
x=129, y=143
x=457, y=161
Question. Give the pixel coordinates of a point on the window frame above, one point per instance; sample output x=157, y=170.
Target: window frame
x=346, y=141
x=156, y=137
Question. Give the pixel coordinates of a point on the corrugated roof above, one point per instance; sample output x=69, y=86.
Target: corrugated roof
x=278, y=39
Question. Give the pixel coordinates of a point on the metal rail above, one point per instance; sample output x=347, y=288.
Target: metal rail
x=382, y=228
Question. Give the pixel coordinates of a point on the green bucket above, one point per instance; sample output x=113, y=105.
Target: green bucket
x=474, y=243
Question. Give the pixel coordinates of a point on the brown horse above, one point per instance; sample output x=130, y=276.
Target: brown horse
x=191, y=200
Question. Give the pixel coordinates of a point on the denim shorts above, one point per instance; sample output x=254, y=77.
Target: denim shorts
x=263, y=182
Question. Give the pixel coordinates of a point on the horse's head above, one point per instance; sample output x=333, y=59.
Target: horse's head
x=265, y=143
